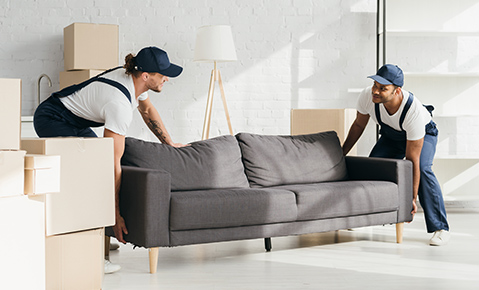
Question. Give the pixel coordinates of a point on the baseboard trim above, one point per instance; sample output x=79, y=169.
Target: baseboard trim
x=462, y=204
x=459, y=205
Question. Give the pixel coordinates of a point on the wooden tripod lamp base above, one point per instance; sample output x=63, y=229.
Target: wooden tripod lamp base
x=214, y=43
x=215, y=76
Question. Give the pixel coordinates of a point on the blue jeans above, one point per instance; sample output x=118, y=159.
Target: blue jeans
x=53, y=119
x=430, y=194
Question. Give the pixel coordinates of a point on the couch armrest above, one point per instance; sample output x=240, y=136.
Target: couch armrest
x=145, y=206
x=394, y=170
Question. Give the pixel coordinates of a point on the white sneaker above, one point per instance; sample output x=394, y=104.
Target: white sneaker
x=440, y=238
x=110, y=267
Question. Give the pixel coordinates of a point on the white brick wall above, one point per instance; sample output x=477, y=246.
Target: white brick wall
x=291, y=54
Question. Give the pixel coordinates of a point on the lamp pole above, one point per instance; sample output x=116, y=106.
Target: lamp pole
x=215, y=76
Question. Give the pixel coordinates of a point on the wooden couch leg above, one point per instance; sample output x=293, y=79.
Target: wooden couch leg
x=107, y=247
x=153, y=254
x=399, y=232
x=267, y=244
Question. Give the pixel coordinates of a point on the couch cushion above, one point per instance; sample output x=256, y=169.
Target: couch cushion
x=277, y=160
x=344, y=198
x=212, y=163
x=230, y=208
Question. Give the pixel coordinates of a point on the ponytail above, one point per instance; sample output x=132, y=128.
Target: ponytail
x=130, y=66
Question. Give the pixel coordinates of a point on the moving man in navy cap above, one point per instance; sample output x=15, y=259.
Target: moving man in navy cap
x=407, y=130
x=109, y=100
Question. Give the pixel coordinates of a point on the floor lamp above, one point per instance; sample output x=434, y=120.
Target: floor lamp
x=214, y=44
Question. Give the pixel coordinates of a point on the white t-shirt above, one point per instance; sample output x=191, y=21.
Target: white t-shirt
x=104, y=103
x=417, y=117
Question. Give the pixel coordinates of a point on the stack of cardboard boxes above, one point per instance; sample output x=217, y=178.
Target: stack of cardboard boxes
x=89, y=49
x=75, y=217
x=56, y=194
x=25, y=180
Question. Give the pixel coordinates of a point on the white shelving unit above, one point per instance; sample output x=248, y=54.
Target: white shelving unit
x=429, y=33
x=436, y=43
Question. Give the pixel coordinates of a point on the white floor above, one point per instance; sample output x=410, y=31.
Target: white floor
x=366, y=258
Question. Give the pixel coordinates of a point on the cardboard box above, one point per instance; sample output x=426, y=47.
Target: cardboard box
x=42, y=174
x=11, y=172
x=87, y=196
x=90, y=46
x=68, y=78
x=22, y=240
x=75, y=260
x=308, y=121
x=10, y=113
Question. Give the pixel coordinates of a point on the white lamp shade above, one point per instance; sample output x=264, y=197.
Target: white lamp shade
x=215, y=43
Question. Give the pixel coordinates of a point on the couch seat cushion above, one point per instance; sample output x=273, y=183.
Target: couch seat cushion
x=344, y=198
x=220, y=208
x=277, y=160
x=212, y=163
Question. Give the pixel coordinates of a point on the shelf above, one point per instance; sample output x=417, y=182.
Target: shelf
x=456, y=116
x=458, y=157
x=431, y=33
x=442, y=74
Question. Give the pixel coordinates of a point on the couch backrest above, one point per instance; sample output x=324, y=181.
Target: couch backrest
x=277, y=160
x=209, y=164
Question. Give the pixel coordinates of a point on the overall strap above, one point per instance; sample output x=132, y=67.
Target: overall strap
x=108, y=71
x=74, y=88
x=378, y=115
x=405, y=110
x=403, y=114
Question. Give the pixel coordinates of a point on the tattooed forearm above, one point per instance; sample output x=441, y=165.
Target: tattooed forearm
x=156, y=129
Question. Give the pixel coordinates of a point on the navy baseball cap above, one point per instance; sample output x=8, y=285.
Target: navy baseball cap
x=154, y=60
x=389, y=74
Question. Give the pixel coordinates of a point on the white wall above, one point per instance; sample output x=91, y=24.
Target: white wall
x=291, y=54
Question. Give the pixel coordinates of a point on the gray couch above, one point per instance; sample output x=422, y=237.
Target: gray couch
x=256, y=186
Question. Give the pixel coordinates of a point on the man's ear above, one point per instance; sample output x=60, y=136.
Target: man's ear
x=398, y=90
x=145, y=76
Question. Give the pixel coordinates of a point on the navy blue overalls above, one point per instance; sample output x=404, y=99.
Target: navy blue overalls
x=53, y=119
x=392, y=144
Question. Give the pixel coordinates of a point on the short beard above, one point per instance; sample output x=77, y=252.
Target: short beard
x=156, y=90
